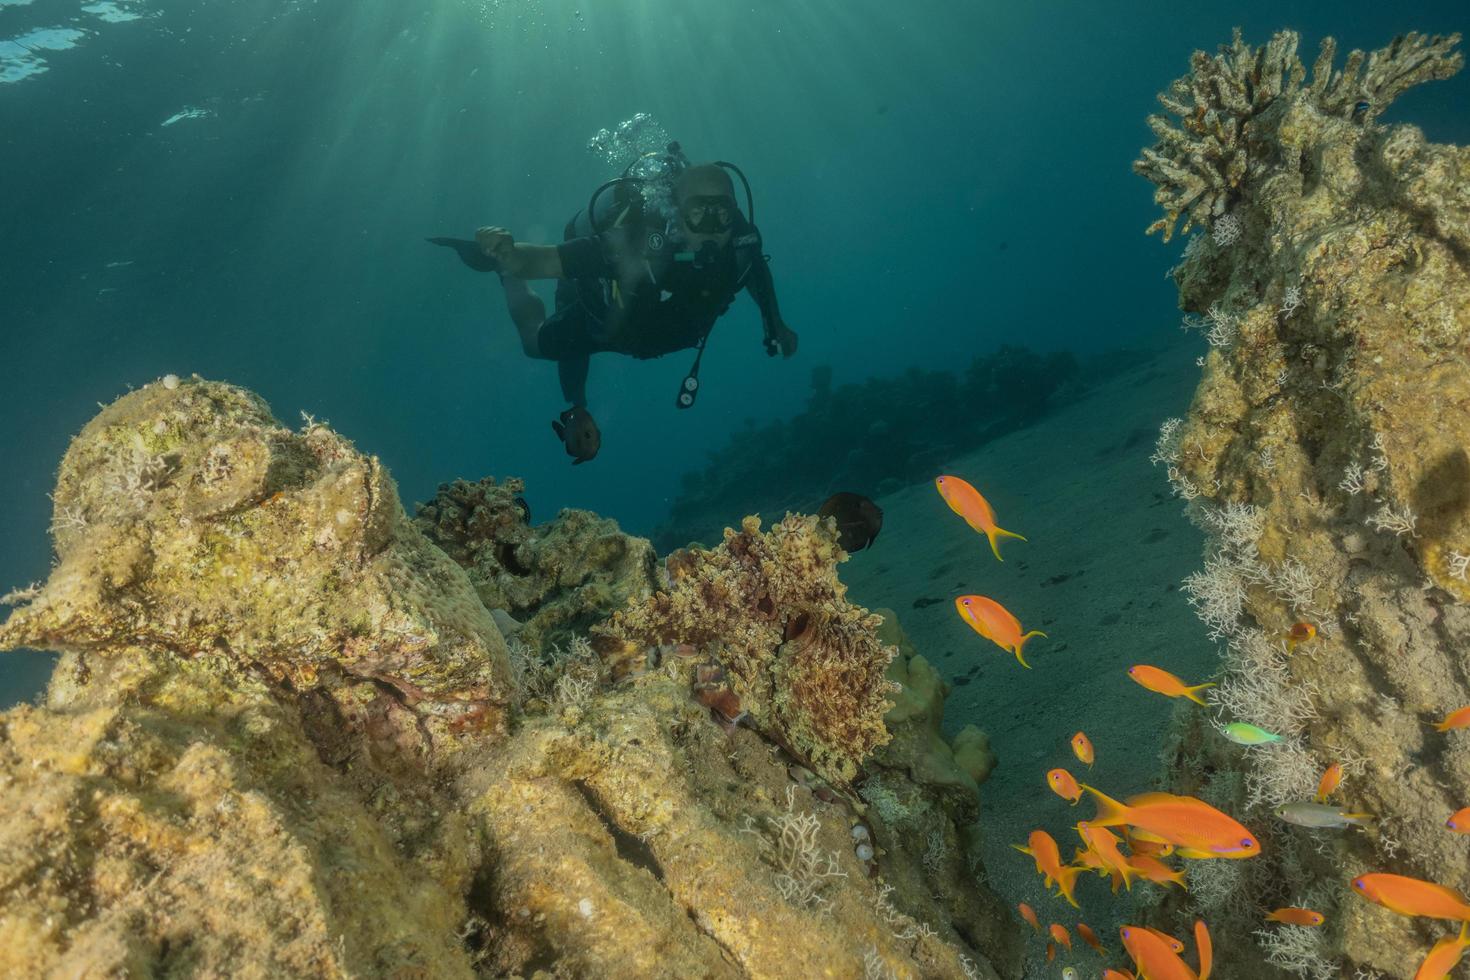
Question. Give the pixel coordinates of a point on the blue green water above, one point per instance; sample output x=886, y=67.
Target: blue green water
x=241, y=189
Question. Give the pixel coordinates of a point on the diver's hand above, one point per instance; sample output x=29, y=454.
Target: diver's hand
x=783, y=338
x=499, y=244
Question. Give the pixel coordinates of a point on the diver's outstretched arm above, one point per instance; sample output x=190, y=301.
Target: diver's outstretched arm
x=572, y=371
x=762, y=288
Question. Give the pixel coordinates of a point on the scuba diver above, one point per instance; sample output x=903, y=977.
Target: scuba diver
x=650, y=265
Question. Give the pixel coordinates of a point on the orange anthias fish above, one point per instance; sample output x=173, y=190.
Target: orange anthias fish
x=1153, y=957
x=1155, y=870
x=1293, y=916
x=1104, y=843
x=1165, y=683
x=992, y=620
x=1445, y=956
x=1196, y=829
x=1459, y=821
x=1459, y=718
x=1082, y=748
x=1062, y=784
x=1410, y=896
x=1205, y=947
x=1299, y=633
x=1060, y=934
x=1141, y=844
x=1090, y=938
x=967, y=502
x=1331, y=779
x=1111, y=974
x=1029, y=914
x=1043, y=848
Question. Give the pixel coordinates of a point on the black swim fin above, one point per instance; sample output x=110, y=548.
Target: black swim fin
x=470, y=253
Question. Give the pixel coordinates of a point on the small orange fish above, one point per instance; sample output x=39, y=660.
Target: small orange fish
x=1144, y=843
x=1299, y=633
x=1090, y=938
x=1062, y=784
x=994, y=622
x=1293, y=916
x=1111, y=974
x=1086, y=858
x=966, y=501
x=1205, y=946
x=1445, y=956
x=1459, y=821
x=1104, y=843
x=1051, y=952
x=1410, y=896
x=1043, y=848
x=1459, y=718
x=1029, y=914
x=1329, y=782
x=1153, y=956
x=1197, y=829
x=1060, y=934
x=1165, y=683
x=1155, y=870
x=1082, y=748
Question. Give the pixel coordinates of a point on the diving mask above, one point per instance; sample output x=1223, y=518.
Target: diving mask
x=708, y=214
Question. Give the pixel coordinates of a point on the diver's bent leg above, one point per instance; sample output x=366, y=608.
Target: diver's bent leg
x=572, y=371
x=527, y=312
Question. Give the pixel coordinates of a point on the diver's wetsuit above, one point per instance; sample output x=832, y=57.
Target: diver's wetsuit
x=632, y=291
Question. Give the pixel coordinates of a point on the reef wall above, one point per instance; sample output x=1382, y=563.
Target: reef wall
x=291, y=736
x=1325, y=454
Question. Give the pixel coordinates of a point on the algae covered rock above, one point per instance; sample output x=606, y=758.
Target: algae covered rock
x=557, y=579
x=1325, y=455
x=278, y=743
x=188, y=520
x=162, y=816
x=637, y=838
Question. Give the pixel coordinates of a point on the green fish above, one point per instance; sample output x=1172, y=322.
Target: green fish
x=1242, y=734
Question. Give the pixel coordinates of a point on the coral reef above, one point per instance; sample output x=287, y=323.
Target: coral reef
x=807, y=667
x=872, y=438
x=188, y=520
x=1325, y=455
x=683, y=849
x=286, y=739
x=555, y=580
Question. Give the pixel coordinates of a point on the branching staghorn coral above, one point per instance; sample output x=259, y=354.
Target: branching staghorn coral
x=1212, y=144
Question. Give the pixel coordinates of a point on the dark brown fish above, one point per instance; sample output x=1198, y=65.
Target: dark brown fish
x=576, y=429
x=858, y=519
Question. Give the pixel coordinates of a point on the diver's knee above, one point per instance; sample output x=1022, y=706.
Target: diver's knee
x=530, y=345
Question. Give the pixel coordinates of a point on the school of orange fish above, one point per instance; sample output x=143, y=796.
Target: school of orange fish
x=1154, y=826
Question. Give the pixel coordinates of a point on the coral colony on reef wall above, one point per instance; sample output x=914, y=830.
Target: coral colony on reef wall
x=1325, y=456
x=290, y=736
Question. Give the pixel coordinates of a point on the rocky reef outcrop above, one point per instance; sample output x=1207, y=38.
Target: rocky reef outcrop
x=1325, y=454
x=287, y=736
x=555, y=580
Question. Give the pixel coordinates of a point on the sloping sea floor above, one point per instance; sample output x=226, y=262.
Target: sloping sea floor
x=1100, y=573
